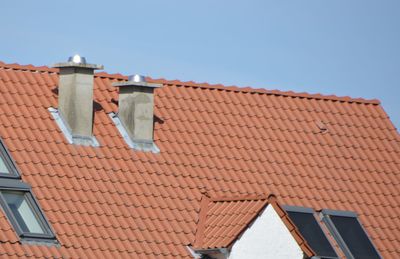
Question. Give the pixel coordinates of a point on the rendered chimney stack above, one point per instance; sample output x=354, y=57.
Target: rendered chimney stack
x=136, y=111
x=75, y=97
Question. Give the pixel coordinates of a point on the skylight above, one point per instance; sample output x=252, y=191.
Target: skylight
x=19, y=204
x=7, y=168
x=21, y=207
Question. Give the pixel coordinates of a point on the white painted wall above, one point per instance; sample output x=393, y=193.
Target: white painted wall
x=267, y=237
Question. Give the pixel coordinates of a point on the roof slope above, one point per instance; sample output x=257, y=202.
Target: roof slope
x=112, y=201
x=222, y=221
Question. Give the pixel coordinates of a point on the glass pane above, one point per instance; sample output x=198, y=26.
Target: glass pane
x=23, y=212
x=312, y=232
x=3, y=167
x=354, y=237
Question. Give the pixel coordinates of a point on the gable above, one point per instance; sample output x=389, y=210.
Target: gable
x=267, y=237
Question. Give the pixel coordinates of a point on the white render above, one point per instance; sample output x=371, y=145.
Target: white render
x=267, y=237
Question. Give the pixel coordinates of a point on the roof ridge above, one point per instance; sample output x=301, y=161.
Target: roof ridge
x=29, y=67
x=233, y=88
x=33, y=68
x=241, y=198
x=249, y=89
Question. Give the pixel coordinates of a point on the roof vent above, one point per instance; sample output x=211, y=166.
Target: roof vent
x=135, y=118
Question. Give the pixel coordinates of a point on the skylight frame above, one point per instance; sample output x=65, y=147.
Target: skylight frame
x=325, y=216
x=12, y=182
x=23, y=188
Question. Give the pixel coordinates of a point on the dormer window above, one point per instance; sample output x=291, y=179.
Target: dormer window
x=19, y=203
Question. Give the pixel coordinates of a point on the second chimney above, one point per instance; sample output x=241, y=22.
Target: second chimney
x=135, y=111
x=75, y=98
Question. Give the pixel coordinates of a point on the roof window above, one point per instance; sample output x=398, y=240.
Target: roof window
x=349, y=234
x=310, y=229
x=7, y=167
x=19, y=203
x=25, y=215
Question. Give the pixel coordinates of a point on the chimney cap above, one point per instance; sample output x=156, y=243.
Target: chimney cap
x=137, y=78
x=77, y=61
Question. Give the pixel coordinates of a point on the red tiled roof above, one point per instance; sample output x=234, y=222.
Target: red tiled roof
x=219, y=215
x=223, y=220
x=112, y=201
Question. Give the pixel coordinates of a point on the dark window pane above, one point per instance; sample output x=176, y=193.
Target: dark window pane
x=312, y=232
x=354, y=236
x=23, y=212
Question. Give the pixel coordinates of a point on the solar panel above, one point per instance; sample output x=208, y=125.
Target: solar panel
x=311, y=230
x=354, y=237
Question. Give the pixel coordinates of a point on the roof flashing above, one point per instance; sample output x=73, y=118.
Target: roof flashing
x=198, y=253
x=72, y=139
x=298, y=209
x=137, y=144
x=41, y=242
x=341, y=213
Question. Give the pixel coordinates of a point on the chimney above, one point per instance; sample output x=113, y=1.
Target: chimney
x=75, y=99
x=136, y=112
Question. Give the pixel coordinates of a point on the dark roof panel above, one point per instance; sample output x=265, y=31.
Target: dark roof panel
x=312, y=233
x=354, y=237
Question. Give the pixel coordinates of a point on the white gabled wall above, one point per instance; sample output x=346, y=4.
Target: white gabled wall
x=267, y=237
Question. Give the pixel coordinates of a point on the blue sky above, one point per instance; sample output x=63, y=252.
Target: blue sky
x=341, y=47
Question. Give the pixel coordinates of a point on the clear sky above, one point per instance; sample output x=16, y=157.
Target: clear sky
x=341, y=47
